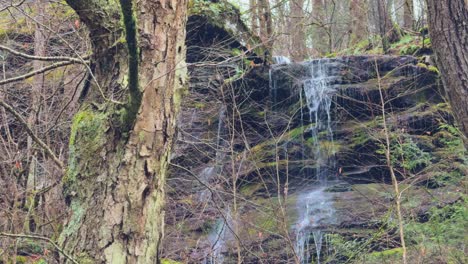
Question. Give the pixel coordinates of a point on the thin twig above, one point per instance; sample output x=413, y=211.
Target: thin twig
x=41, y=143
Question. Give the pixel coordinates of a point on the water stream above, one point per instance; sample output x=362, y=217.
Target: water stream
x=219, y=237
x=220, y=234
x=209, y=172
x=315, y=206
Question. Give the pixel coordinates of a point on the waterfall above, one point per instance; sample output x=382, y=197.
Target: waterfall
x=218, y=238
x=277, y=60
x=220, y=233
x=315, y=205
x=210, y=171
x=281, y=60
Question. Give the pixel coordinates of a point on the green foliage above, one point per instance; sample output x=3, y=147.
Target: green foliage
x=427, y=42
x=452, y=164
x=445, y=231
x=450, y=137
x=406, y=154
x=169, y=261
x=403, y=41
x=409, y=50
x=344, y=248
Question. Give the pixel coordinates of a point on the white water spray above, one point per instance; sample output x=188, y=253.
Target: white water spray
x=315, y=206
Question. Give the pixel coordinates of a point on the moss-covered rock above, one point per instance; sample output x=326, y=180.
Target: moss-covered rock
x=219, y=22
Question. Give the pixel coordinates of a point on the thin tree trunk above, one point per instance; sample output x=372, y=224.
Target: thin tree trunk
x=448, y=29
x=387, y=30
x=358, y=25
x=254, y=16
x=297, y=30
x=266, y=27
x=408, y=14
x=36, y=93
x=119, y=153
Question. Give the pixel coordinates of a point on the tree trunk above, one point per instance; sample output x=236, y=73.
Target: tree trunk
x=119, y=153
x=254, y=16
x=297, y=30
x=40, y=44
x=388, y=33
x=266, y=27
x=358, y=25
x=448, y=29
x=408, y=14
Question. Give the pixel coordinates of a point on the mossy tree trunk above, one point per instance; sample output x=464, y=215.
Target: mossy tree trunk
x=448, y=28
x=387, y=30
x=119, y=152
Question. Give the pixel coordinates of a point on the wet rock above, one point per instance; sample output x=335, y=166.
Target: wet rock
x=339, y=187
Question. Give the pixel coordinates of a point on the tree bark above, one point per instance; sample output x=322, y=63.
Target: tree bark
x=408, y=14
x=36, y=93
x=119, y=153
x=254, y=16
x=448, y=29
x=266, y=27
x=297, y=30
x=388, y=32
x=358, y=25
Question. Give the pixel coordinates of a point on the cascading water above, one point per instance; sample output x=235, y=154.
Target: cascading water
x=220, y=235
x=209, y=172
x=315, y=206
x=277, y=60
x=281, y=60
x=218, y=238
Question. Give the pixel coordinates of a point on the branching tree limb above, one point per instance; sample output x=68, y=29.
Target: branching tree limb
x=45, y=69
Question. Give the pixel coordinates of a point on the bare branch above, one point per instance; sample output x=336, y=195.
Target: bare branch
x=32, y=57
x=59, y=249
x=45, y=69
x=41, y=143
x=11, y=5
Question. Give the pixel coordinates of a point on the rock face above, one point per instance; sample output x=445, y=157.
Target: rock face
x=245, y=151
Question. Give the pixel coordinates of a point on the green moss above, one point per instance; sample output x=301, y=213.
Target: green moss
x=75, y=222
x=249, y=190
x=433, y=69
x=331, y=55
x=387, y=253
x=199, y=105
x=21, y=260
x=427, y=42
x=169, y=261
x=226, y=16
x=87, y=138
